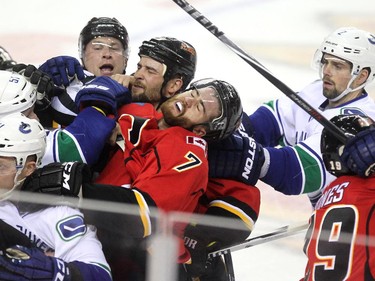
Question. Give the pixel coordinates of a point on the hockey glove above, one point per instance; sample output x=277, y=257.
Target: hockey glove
x=237, y=157
x=105, y=93
x=199, y=245
x=58, y=179
x=19, y=263
x=41, y=81
x=359, y=153
x=62, y=69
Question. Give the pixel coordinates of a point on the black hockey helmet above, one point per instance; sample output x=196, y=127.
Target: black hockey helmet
x=179, y=56
x=102, y=27
x=332, y=148
x=231, y=109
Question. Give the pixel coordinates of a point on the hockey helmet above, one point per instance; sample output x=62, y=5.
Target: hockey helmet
x=179, y=56
x=352, y=45
x=16, y=93
x=231, y=109
x=332, y=148
x=21, y=137
x=103, y=27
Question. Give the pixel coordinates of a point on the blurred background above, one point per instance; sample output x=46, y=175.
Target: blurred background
x=282, y=34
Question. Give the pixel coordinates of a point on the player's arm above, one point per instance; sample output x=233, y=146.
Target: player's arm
x=85, y=137
x=23, y=263
x=290, y=170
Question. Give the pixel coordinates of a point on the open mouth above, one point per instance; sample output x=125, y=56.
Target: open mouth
x=179, y=106
x=106, y=68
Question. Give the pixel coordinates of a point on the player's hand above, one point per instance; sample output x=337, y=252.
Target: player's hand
x=41, y=81
x=199, y=246
x=125, y=80
x=62, y=69
x=359, y=153
x=105, y=93
x=20, y=263
x=58, y=179
x=237, y=157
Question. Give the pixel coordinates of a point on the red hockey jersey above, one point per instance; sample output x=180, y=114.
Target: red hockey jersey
x=339, y=243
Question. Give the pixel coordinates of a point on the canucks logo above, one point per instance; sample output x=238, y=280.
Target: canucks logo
x=71, y=227
x=352, y=110
x=24, y=128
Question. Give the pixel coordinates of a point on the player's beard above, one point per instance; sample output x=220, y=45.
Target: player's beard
x=172, y=119
x=332, y=92
x=148, y=95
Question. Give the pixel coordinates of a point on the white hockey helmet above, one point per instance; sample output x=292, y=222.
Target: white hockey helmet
x=16, y=93
x=21, y=137
x=353, y=45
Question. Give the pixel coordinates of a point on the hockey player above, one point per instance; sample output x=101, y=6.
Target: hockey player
x=226, y=198
x=103, y=47
x=346, y=63
x=53, y=243
x=338, y=243
x=80, y=141
x=165, y=159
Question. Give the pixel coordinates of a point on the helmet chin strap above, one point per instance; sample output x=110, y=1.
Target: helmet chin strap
x=348, y=89
x=16, y=183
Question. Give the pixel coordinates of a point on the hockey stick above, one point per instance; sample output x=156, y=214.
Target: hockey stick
x=195, y=14
x=261, y=239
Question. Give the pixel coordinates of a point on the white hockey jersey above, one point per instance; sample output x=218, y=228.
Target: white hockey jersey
x=300, y=169
x=59, y=229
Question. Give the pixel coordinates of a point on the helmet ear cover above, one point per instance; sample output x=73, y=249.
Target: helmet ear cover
x=332, y=148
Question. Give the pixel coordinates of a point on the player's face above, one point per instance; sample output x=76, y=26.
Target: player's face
x=148, y=81
x=336, y=75
x=105, y=56
x=191, y=108
x=7, y=173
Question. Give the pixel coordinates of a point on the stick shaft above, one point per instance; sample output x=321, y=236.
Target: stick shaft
x=261, y=239
x=195, y=14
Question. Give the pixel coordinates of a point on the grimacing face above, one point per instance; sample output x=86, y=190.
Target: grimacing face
x=149, y=79
x=192, y=107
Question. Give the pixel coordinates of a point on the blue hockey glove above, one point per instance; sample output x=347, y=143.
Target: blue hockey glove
x=359, y=153
x=105, y=93
x=61, y=69
x=237, y=157
x=19, y=263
